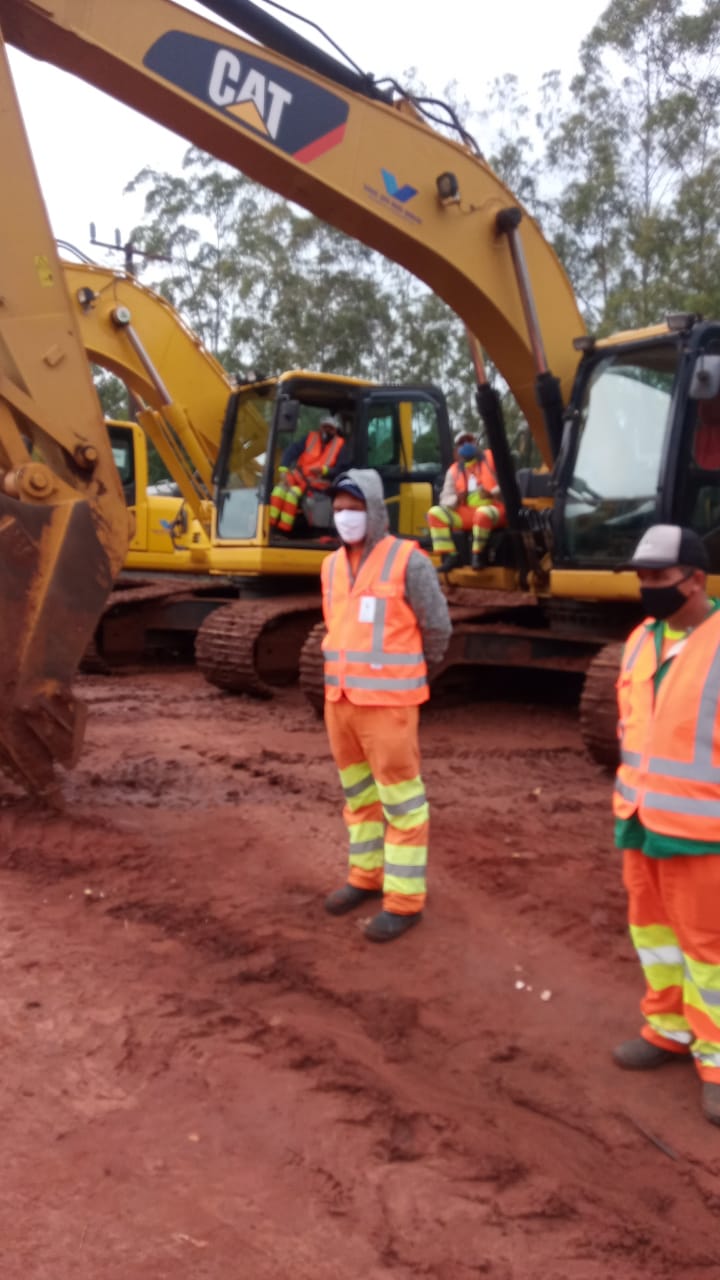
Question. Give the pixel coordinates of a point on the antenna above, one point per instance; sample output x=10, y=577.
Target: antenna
x=130, y=250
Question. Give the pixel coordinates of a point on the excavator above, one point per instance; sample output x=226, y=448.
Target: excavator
x=625, y=425
x=221, y=442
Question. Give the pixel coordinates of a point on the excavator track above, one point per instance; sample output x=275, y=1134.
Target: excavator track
x=94, y=660
x=312, y=669
x=254, y=646
x=598, y=706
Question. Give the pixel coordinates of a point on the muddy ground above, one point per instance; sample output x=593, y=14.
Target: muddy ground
x=206, y=1076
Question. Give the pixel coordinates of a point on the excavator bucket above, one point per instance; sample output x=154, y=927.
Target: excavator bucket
x=63, y=520
x=54, y=579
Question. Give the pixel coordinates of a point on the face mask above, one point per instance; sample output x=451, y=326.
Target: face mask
x=663, y=602
x=467, y=452
x=351, y=525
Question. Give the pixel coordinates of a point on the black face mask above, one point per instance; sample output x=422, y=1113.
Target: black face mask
x=663, y=602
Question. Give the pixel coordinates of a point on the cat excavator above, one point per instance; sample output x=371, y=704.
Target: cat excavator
x=221, y=441
x=621, y=423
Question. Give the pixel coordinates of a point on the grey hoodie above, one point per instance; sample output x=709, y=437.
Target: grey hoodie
x=422, y=589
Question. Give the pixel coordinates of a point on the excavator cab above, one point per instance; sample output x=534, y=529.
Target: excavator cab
x=402, y=432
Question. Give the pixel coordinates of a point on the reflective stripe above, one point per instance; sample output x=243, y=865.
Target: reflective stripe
x=683, y=804
x=367, y=846
x=627, y=793
x=709, y=997
x=354, y=789
x=379, y=657
x=390, y=560
x=332, y=680
x=700, y=768
x=630, y=757
x=680, y=1037
x=404, y=873
x=331, y=562
x=660, y=955
x=632, y=659
x=707, y=1059
x=405, y=806
x=372, y=682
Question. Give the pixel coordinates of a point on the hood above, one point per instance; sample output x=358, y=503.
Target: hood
x=370, y=485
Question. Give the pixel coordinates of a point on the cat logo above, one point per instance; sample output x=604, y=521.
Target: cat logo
x=248, y=95
x=276, y=105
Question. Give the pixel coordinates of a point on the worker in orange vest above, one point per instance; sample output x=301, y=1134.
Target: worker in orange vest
x=470, y=500
x=387, y=622
x=310, y=463
x=667, y=807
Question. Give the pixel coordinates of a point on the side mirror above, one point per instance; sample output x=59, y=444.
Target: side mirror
x=288, y=412
x=705, y=382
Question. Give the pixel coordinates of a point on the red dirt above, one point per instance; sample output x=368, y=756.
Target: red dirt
x=204, y=1076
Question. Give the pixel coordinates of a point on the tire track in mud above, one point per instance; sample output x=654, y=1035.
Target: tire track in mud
x=408, y=1096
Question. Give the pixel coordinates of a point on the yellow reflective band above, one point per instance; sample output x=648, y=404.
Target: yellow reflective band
x=693, y=999
x=707, y=1052
x=670, y=1022
x=408, y=821
x=366, y=861
x=706, y=978
x=661, y=976
x=407, y=855
x=653, y=935
x=354, y=773
x=404, y=884
x=399, y=792
x=359, y=832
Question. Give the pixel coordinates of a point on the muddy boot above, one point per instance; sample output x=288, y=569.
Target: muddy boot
x=642, y=1055
x=711, y=1102
x=450, y=562
x=387, y=925
x=348, y=898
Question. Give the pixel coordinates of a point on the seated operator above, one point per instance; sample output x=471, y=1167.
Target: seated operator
x=470, y=499
x=311, y=463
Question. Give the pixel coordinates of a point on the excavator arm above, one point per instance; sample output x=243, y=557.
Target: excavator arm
x=362, y=164
x=63, y=521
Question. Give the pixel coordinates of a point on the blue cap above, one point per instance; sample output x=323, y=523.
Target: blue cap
x=344, y=484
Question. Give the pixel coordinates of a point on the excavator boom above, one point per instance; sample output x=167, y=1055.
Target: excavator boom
x=63, y=524
x=363, y=165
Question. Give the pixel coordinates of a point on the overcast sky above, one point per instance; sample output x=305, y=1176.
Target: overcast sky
x=87, y=146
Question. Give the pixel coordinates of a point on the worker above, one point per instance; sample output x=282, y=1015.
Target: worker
x=470, y=499
x=387, y=623
x=667, y=807
x=310, y=463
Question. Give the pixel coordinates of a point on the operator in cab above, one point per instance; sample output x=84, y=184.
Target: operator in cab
x=667, y=807
x=387, y=624
x=470, y=500
x=311, y=463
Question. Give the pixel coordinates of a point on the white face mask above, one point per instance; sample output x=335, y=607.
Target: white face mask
x=351, y=525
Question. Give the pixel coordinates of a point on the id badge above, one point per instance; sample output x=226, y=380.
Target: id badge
x=366, y=612
x=472, y=484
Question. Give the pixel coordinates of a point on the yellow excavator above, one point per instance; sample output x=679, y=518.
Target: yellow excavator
x=619, y=422
x=221, y=442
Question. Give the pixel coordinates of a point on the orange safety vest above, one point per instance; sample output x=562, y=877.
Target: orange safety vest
x=316, y=453
x=483, y=468
x=671, y=764
x=373, y=647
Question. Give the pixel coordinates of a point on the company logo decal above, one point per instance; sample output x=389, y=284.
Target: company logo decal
x=299, y=117
x=394, y=197
x=390, y=182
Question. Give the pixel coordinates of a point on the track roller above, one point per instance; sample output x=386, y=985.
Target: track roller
x=598, y=707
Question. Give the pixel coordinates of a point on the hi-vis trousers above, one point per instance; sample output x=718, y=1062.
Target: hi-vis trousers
x=386, y=811
x=674, y=913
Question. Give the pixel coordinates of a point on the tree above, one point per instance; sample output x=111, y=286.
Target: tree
x=637, y=151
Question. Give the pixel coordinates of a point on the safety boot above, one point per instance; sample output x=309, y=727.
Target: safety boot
x=449, y=562
x=348, y=898
x=387, y=925
x=711, y=1102
x=479, y=560
x=642, y=1055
